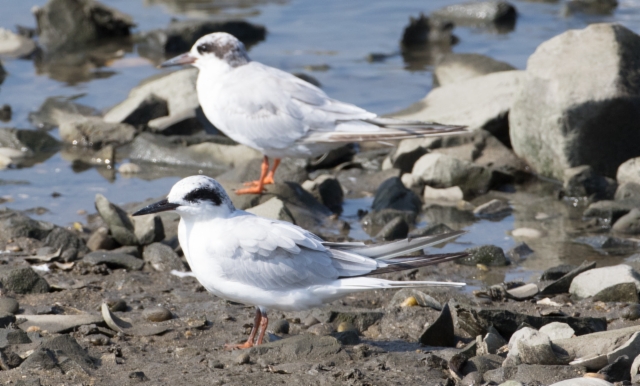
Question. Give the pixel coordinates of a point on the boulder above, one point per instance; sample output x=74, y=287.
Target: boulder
x=94, y=132
x=629, y=171
x=118, y=221
x=55, y=110
x=581, y=181
x=453, y=68
x=627, y=190
x=442, y=171
x=574, y=108
x=482, y=102
x=67, y=24
x=557, y=330
x=594, y=281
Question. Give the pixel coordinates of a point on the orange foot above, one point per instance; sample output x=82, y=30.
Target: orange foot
x=239, y=346
x=254, y=189
x=268, y=180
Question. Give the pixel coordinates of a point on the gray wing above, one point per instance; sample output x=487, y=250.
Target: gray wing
x=274, y=255
x=270, y=108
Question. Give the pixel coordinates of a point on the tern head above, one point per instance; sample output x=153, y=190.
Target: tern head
x=215, y=49
x=195, y=196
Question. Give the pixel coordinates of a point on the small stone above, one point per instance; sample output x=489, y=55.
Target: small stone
x=280, y=326
x=440, y=333
x=138, y=376
x=157, y=314
x=519, y=252
x=117, y=220
x=9, y=306
x=493, y=208
x=526, y=291
x=215, y=364
x=148, y=229
x=23, y=281
x=162, y=258
x=310, y=321
x=99, y=340
x=116, y=305
x=346, y=326
x=631, y=312
x=348, y=337
x=114, y=260
x=242, y=359
x=629, y=223
x=100, y=239
x=452, y=194
x=6, y=319
x=489, y=255
x=320, y=329
x=392, y=194
x=527, y=233
x=394, y=230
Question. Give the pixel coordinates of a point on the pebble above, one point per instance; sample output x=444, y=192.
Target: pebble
x=528, y=233
x=157, y=314
x=280, y=326
x=632, y=312
x=215, y=364
x=242, y=359
x=310, y=321
x=9, y=306
x=320, y=329
x=346, y=326
x=99, y=340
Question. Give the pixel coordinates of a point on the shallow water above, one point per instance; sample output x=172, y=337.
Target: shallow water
x=300, y=33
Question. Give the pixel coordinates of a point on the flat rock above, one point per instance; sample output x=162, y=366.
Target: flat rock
x=162, y=258
x=563, y=284
x=558, y=115
x=557, y=330
x=60, y=350
x=536, y=374
x=114, y=260
x=58, y=109
x=482, y=363
x=94, y=132
x=594, y=281
x=453, y=67
x=57, y=323
x=442, y=171
x=611, y=210
x=478, y=12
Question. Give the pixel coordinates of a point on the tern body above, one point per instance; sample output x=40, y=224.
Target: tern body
x=274, y=264
x=279, y=114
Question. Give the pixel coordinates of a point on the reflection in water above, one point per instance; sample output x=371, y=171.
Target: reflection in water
x=212, y=7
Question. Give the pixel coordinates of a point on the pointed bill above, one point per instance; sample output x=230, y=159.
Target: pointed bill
x=179, y=60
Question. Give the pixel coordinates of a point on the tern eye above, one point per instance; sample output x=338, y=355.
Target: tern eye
x=204, y=194
x=206, y=48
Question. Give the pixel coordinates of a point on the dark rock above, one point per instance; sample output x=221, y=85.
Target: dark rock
x=392, y=194
x=519, y=252
x=582, y=181
x=361, y=320
x=440, y=333
x=477, y=321
x=162, y=258
x=611, y=210
x=100, y=239
x=179, y=36
x=554, y=87
x=9, y=305
x=157, y=314
x=6, y=320
x=430, y=230
x=149, y=108
x=394, y=230
x=10, y=336
x=32, y=143
x=618, y=371
x=94, y=132
x=280, y=326
x=61, y=351
x=482, y=363
x=23, y=281
x=374, y=221
x=499, y=13
x=423, y=31
x=534, y=374
x=349, y=337
x=138, y=376
x=327, y=190
x=562, y=285
x=13, y=360
x=116, y=305
x=492, y=209
x=119, y=223
x=40, y=359
x=70, y=245
x=555, y=273
x=629, y=223
x=114, y=260
x=489, y=255
x=453, y=67
x=606, y=242
x=5, y=113
x=56, y=110
x=623, y=292
x=631, y=312
x=65, y=24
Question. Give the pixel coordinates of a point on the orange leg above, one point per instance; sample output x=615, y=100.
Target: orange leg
x=257, y=187
x=269, y=179
x=249, y=343
x=264, y=321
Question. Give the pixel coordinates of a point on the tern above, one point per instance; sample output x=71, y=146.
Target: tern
x=279, y=114
x=274, y=264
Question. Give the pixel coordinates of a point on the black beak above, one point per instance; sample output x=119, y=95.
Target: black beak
x=179, y=60
x=160, y=206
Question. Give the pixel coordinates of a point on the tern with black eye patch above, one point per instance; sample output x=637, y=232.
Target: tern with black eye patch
x=274, y=264
x=280, y=114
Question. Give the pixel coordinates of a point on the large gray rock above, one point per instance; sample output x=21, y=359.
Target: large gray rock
x=177, y=88
x=578, y=102
x=453, y=68
x=594, y=281
x=148, y=229
x=530, y=346
x=629, y=171
x=94, y=132
x=482, y=102
x=443, y=171
x=66, y=24
x=557, y=330
x=117, y=220
x=55, y=110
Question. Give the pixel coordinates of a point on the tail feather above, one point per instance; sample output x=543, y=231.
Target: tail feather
x=410, y=262
x=383, y=129
x=367, y=283
x=401, y=247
